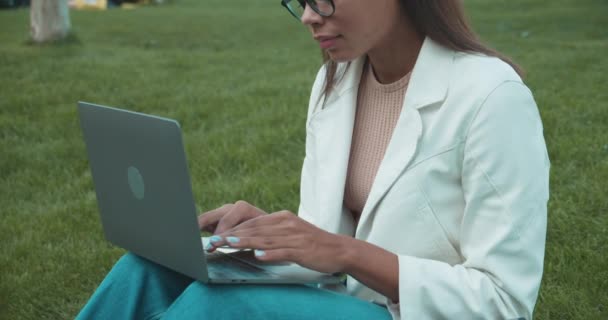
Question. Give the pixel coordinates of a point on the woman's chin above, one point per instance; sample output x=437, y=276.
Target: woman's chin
x=341, y=56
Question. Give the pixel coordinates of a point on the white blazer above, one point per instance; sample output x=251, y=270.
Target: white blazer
x=460, y=196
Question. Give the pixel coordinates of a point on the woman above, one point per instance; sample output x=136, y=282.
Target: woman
x=425, y=180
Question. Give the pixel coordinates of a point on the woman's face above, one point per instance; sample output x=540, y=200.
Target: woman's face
x=355, y=28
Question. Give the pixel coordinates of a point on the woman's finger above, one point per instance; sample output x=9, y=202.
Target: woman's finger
x=264, y=221
x=249, y=238
x=211, y=218
x=265, y=226
x=263, y=243
x=267, y=230
x=273, y=255
x=239, y=212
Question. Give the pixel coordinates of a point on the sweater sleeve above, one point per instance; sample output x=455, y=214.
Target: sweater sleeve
x=505, y=179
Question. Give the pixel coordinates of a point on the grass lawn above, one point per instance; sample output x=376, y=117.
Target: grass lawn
x=237, y=75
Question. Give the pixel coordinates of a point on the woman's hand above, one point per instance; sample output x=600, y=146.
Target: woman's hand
x=283, y=236
x=228, y=216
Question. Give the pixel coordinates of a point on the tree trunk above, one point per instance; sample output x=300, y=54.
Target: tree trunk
x=49, y=20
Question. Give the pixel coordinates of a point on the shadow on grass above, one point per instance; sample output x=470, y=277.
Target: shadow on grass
x=71, y=39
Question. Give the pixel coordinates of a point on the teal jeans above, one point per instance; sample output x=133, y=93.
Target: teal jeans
x=136, y=288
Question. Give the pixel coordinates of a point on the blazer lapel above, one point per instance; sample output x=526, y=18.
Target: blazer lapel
x=428, y=85
x=332, y=129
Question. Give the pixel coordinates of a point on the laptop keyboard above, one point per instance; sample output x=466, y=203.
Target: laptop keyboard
x=222, y=266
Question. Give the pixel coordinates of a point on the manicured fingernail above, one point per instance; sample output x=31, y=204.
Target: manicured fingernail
x=215, y=239
x=259, y=253
x=233, y=239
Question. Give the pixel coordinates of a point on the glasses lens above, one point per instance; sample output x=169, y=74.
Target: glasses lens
x=296, y=7
x=324, y=7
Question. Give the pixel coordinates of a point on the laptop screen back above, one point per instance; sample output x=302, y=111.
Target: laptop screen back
x=143, y=186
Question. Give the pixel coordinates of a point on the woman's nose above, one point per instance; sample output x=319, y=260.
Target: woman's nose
x=310, y=17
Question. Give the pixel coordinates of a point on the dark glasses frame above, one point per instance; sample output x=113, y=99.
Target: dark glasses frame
x=313, y=5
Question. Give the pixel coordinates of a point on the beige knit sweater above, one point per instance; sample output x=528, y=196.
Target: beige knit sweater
x=378, y=109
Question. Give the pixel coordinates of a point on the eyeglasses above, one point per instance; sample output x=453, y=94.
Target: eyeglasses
x=324, y=8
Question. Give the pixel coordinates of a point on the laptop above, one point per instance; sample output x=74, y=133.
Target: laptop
x=145, y=200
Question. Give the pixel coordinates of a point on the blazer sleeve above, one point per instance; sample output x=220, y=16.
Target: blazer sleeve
x=307, y=178
x=505, y=181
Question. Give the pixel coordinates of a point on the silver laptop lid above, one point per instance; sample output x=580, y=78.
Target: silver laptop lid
x=143, y=186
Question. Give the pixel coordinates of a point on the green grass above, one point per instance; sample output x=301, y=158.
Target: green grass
x=237, y=75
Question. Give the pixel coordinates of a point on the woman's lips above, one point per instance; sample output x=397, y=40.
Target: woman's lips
x=327, y=42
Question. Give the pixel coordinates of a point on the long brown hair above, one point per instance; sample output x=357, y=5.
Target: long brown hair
x=445, y=22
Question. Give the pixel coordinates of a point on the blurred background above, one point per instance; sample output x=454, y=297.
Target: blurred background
x=81, y=3
x=237, y=74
